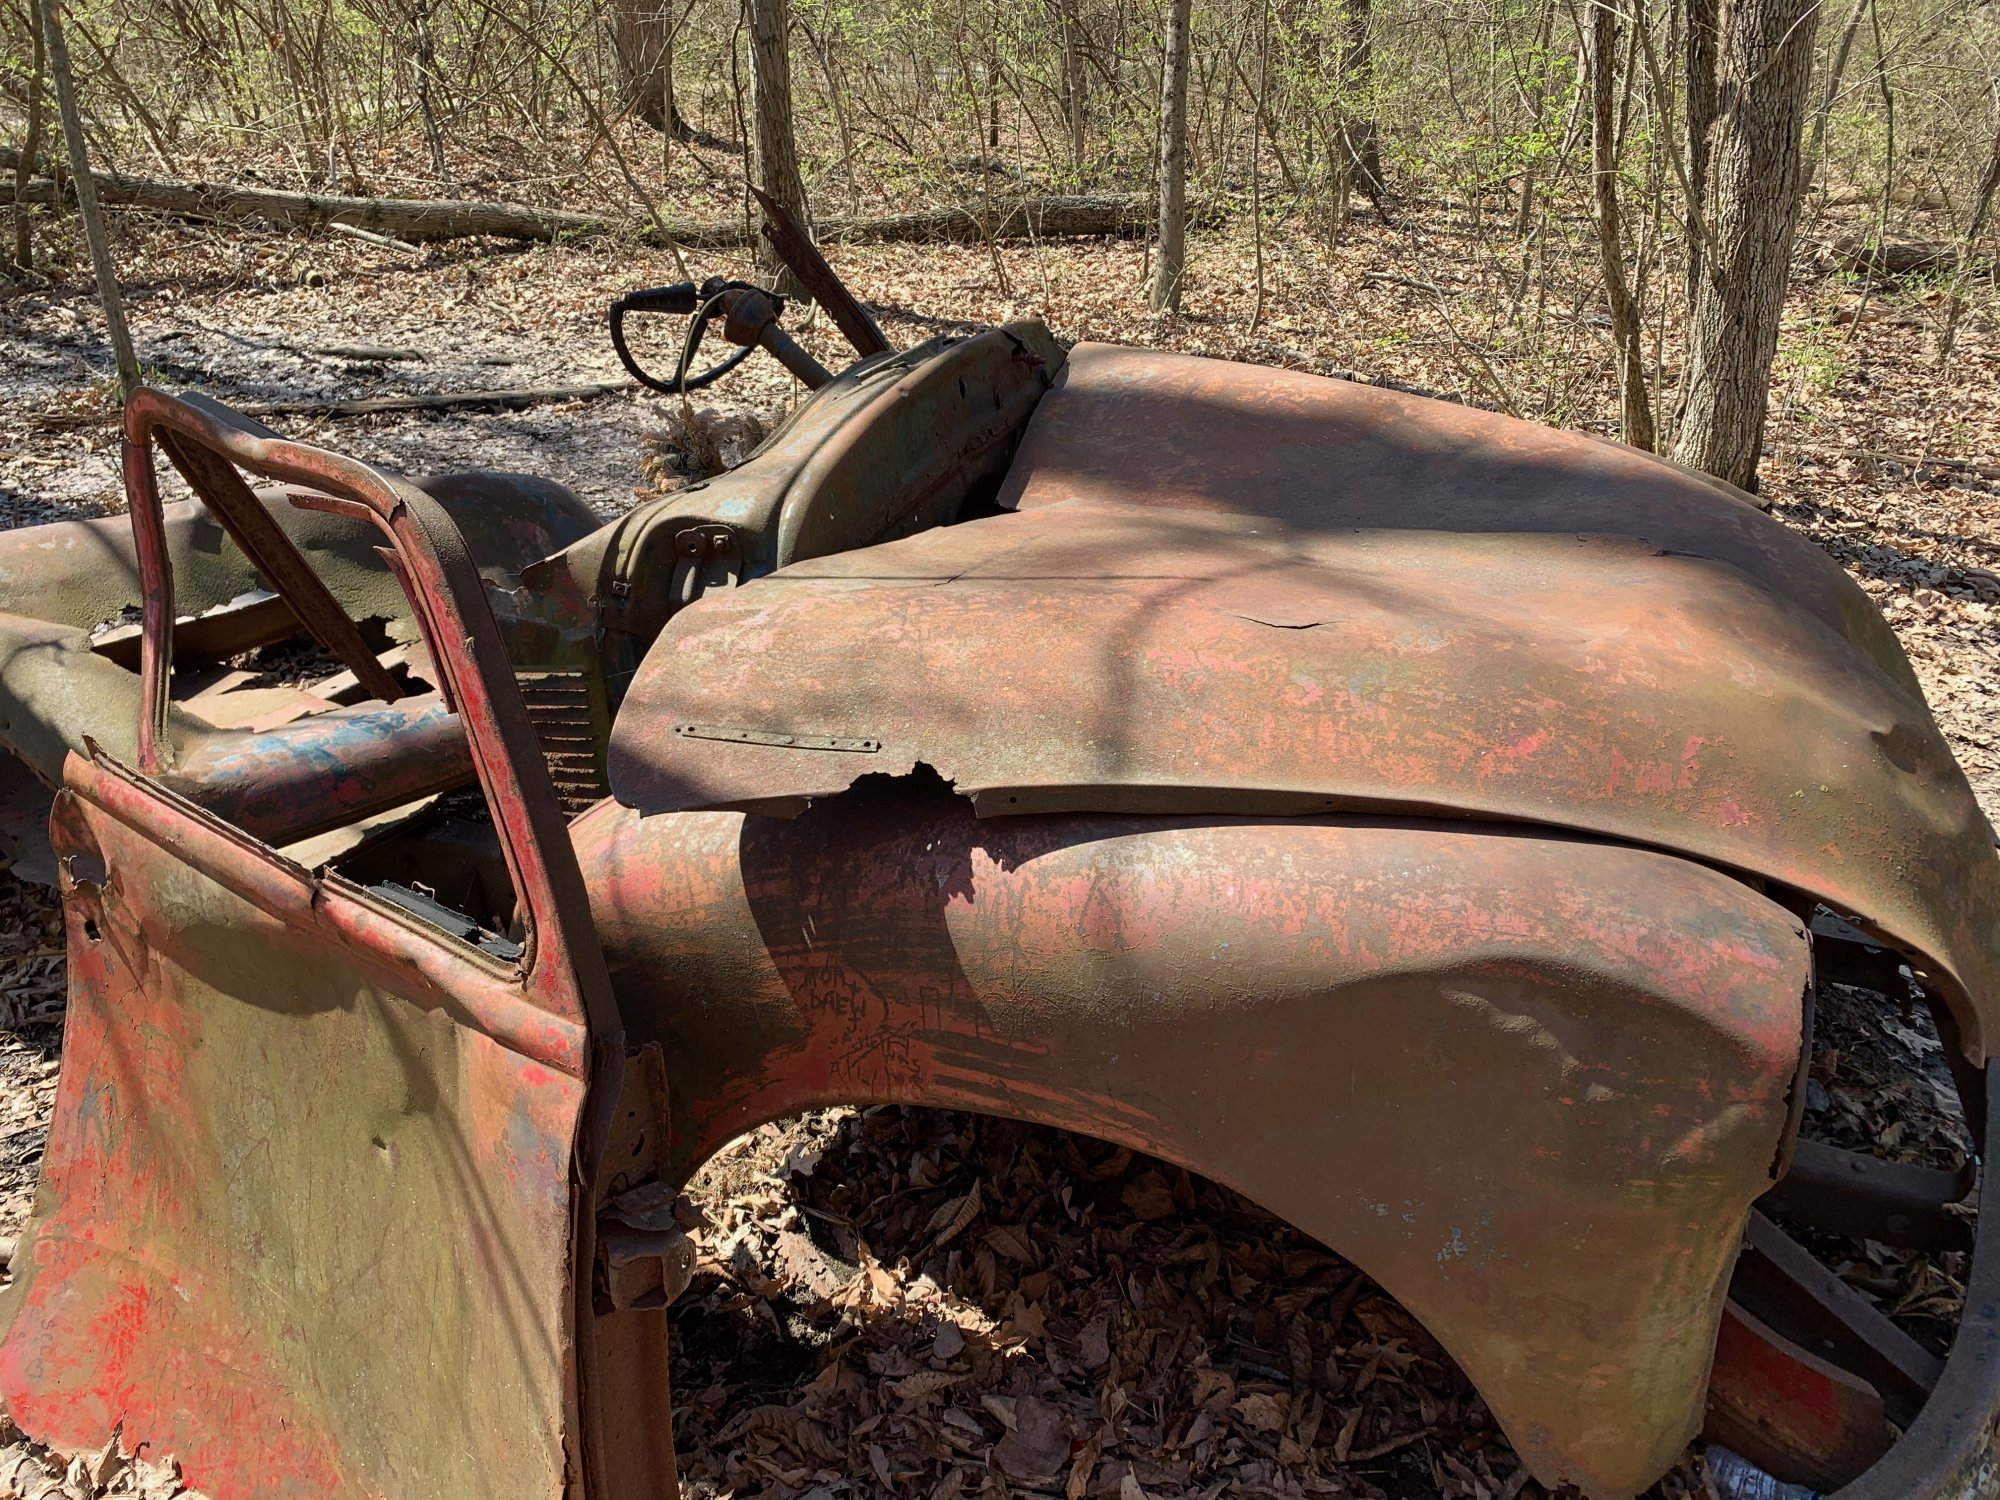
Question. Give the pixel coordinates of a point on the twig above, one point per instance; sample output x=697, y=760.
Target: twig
x=369, y=237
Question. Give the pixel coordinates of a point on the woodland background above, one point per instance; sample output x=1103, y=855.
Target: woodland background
x=1494, y=201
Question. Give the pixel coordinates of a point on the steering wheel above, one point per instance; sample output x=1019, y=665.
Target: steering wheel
x=699, y=304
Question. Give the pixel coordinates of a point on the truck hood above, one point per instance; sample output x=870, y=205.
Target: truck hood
x=1229, y=590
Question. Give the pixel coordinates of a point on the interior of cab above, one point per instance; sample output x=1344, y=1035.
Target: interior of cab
x=262, y=709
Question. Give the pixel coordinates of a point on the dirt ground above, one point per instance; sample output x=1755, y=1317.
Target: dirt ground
x=898, y=1302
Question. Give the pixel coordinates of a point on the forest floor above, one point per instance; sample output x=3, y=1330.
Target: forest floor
x=901, y=1302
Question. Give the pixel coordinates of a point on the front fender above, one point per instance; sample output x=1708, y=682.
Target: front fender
x=1529, y=1083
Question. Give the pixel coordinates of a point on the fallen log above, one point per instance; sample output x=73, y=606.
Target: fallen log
x=422, y=220
x=1892, y=260
x=368, y=406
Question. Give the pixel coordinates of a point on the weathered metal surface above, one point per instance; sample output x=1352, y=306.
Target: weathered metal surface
x=305, y=1140
x=304, y=1213
x=282, y=784
x=1863, y=1197
x=1716, y=688
x=296, y=780
x=1182, y=433
x=1531, y=1084
x=796, y=249
x=1789, y=1412
x=270, y=550
x=1780, y=1283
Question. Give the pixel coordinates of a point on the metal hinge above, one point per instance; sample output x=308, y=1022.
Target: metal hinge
x=644, y=1257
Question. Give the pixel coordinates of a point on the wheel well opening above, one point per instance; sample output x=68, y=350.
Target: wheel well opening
x=928, y=1297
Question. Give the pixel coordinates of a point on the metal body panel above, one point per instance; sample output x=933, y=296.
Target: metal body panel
x=1725, y=699
x=306, y=1139
x=304, y=1215
x=1185, y=433
x=1530, y=1084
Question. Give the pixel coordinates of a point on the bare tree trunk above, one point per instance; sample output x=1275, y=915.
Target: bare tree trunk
x=1756, y=175
x=1257, y=155
x=24, y=240
x=1636, y=423
x=424, y=65
x=1358, y=129
x=642, y=57
x=1171, y=267
x=86, y=197
x=1830, y=95
x=1076, y=86
x=1699, y=44
x=1982, y=208
x=776, y=159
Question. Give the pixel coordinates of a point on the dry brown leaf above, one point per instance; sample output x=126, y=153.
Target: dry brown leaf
x=1024, y=1323
x=1214, y=1388
x=923, y=1385
x=949, y=1342
x=804, y=1268
x=1267, y=1411
x=1149, y=1196
x=1009, y=1241
x=793, y=1428
x=1038, y=1444
x=1390, y=1445
x=1343, y=1444
x=1083, y=1467
x=1309, y=1419
x=1093, y=1344
x=952, y=1216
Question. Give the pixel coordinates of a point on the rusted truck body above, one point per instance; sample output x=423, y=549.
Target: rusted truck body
x=1425, y=823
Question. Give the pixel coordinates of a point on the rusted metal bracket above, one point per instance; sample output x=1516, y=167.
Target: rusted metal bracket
x=796, y=249
x=1793, y=1414
x=644, y=1258
x=1780, y=1283
x=1844, y=1192
x=1847, y=955
x=705, y=557
x=778, y=738
x=644, y=1255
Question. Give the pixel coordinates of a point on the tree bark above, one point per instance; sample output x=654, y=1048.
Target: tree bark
x=1636, y=424
x=424, y=66
x=1699, y=45
x=642, y=55
x=1171, y=266
x=776, y=159
x=1756, y=176
x=24, y=239
x=86, y=198
x=1358, y=129
x=422, y=220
